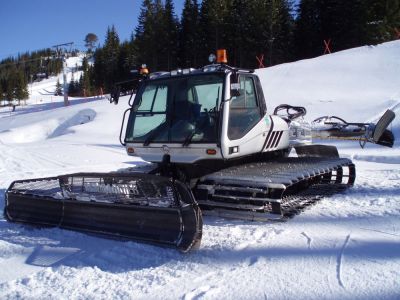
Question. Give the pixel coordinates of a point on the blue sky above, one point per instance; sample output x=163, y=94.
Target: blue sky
x=27, y=25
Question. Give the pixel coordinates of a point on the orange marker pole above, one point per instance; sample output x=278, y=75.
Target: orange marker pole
x=327, y=46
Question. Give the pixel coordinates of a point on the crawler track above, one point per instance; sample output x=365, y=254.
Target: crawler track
x=273, y=190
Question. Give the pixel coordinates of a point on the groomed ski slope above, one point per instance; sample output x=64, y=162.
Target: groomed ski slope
x=345, y=247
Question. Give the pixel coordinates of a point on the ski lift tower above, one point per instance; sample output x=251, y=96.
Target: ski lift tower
x=61, y=51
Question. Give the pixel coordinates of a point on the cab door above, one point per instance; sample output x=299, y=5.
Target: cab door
x=246, y=123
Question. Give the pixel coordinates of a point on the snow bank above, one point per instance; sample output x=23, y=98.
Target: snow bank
x=48, y=128
x=358, y=83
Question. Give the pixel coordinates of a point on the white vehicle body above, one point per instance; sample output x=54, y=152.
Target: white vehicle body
x=243, y=125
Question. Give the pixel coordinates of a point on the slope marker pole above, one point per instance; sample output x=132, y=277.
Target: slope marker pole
x=260, y=61
x=397, y=31
x=327, y=44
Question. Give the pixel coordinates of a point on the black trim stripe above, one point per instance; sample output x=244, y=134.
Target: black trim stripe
x=273, y=139
x=269, y=134
x=279, y=139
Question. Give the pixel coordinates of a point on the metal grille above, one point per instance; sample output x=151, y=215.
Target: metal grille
x=134, y=190
x=138, y=189
x=49, y=187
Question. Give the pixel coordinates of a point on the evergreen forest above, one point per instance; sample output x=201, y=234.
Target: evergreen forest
x=253, y=31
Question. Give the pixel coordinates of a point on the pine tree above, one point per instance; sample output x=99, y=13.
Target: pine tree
x=74, y=87
x=1, y=93
x=99, y=68
x=347, y=24
x=58, y=91
x=383, y=18
x=169, y=42
x=132, y=58
x=240, y=40
x=20, y=89
x=80, y=87
x=248, y=31
x=124, y=63
x=9, y=92
x=145, y=37
x=110, y=58
x=257, y=34
x=85, y=80
x=343, y=22
x=71, y=88
x=212, y=25
x=189, y=34
x=90, y=41
x=86, y=85
x=308, y=32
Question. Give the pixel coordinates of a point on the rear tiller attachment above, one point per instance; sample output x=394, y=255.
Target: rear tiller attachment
x=133, y=206
x=331, y=127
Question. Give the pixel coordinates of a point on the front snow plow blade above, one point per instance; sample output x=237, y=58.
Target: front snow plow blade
x=134, y=206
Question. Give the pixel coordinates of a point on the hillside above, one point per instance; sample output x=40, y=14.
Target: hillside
x=360, y=82
x=345, y=247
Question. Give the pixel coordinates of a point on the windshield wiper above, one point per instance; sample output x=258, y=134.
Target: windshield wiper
x=150, y=138
x=189, y=138
x=153, y=133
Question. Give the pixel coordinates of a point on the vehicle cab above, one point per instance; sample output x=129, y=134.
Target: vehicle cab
x=213, y=113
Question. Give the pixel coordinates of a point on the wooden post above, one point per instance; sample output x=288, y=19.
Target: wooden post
x=397, y=31
x=327, y=44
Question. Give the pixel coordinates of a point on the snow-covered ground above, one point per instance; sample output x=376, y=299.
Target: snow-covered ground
x=344, y=247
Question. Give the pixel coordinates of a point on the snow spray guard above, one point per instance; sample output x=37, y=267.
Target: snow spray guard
x=134, y=206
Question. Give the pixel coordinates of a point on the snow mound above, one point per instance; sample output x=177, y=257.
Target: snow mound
x=355, y=84
x=47, y=129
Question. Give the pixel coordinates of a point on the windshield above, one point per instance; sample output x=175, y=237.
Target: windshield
x=177, y=109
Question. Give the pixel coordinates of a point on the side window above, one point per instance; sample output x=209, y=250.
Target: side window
x=251, y=101
x=261, y=98
x=244, y=111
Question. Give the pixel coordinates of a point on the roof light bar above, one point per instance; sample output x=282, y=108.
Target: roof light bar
x=176, y=72
x=187, y=71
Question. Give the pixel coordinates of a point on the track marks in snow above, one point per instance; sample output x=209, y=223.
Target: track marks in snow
x=380, y=231
x=309, y=240
x=198, y=293
x=25, y=162
x=252, y=260
x=339, y=261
